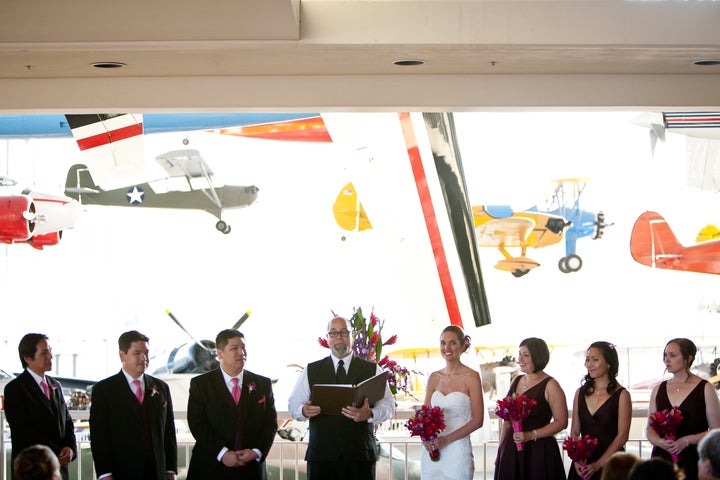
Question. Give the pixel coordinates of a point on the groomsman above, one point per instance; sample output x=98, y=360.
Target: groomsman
x=132, y=424
x=35, y=407
x=231, y=414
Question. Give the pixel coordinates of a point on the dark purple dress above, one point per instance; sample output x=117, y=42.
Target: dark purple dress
x=601, y=425
x=539, y=460
x=694, y=421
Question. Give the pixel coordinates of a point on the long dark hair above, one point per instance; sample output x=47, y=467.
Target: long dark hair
x=611, y=357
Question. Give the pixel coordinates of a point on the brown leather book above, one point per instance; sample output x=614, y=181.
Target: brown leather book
x=332, y=398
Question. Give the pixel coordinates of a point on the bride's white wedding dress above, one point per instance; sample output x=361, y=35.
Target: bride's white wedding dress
x=456, y=459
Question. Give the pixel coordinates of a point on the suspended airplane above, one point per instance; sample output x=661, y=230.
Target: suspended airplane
x=498, y=226
x=565, y=203
x=189, y=185
x=349, y=212
x=653, y=243
x=37, y=219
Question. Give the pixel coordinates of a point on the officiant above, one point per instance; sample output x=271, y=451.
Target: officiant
x=341, y=447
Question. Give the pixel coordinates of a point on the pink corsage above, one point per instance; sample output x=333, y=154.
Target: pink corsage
x=153, y=391
x=53, y=386
x=251, y=387
x=262, y=400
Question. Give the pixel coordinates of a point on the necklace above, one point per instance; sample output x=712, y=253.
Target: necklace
x=677, y=385
x=527, y=383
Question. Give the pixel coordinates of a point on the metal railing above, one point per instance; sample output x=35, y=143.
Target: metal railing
x=400, y=457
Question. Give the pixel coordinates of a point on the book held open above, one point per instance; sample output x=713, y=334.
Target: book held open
x=331, y=398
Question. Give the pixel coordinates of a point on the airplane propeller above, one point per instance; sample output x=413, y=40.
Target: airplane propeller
x=600, y=225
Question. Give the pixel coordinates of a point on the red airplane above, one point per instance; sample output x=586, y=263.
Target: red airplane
x=653, y=243
x=37, y=219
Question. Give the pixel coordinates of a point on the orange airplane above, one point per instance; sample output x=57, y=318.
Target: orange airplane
x=653, y=243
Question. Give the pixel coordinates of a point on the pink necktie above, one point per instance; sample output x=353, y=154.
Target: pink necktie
x=138, y=391
x=235, y=390
x=45, y=388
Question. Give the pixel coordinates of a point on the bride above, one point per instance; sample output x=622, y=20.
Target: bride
x=457, y=390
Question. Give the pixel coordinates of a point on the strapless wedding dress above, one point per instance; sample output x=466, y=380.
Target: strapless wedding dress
x=456, y=459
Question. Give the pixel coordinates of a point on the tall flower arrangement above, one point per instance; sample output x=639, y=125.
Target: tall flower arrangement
x=367, y=343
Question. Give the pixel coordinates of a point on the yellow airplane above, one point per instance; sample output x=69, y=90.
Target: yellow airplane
x=498, y=226
x=349, y=212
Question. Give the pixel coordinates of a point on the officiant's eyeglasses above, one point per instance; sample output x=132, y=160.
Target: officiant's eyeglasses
x=335, y=333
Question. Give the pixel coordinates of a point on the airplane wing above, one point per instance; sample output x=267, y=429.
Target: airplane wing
x=506, y=232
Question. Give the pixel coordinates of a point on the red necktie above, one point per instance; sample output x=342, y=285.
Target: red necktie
x=138, y=391
x=45, y=388
x=235, y=390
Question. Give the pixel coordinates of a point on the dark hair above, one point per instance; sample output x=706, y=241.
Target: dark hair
x=709, y=448
x=465, y=339
x=539, y=352
x=611, y=357
x=223, y=337
x=655, y=468
x=36, y=462
x=128, y=338
x=618, y=466
x=687, y=349
x=28, y=346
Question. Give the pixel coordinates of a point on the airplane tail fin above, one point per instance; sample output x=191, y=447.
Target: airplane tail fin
x=79, y=181
x=652, y=238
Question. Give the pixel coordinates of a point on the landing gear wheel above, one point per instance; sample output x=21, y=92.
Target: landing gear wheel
x=223, y=227
x=573, y=262
x=562, y=265
x=519, y=273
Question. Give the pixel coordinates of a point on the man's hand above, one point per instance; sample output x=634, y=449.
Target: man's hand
x=309, y=410
x=65, y=456
x=230, y=459
x=361, y=414
x=247, y=455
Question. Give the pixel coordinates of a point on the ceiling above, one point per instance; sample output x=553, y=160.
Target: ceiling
x=338, y=55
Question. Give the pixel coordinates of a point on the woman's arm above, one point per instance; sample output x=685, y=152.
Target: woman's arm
x=575, y=430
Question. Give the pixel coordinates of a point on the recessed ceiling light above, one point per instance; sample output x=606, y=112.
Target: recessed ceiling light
x=408, y=63
x=707, y=62
x=108, y=64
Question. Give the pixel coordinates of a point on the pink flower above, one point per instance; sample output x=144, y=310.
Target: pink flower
x=153, y=391
x=251, y=387
x=262, y=400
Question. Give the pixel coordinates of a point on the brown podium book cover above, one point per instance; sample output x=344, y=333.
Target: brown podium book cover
x=332, y=398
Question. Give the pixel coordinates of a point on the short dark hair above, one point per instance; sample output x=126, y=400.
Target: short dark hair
x=224, y=336
x=28, y=346
x=539, y=352
x=36, y=462
x=655, y=468
x=128, y=338
x=709, y=448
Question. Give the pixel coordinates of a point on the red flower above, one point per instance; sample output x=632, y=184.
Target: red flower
x=427, y=423
x=323, y=342
x=580, y=449
x=514, y=408
x=666, y=422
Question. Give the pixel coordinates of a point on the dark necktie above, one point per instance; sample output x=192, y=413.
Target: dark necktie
x=341, y=375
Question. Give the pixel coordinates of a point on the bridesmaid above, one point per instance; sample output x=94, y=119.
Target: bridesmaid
x=696, y=399
x=540, y=457
x=601, y=409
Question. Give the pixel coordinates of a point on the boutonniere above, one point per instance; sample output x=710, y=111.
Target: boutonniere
x=153, y=391
x=53, y=386
x=251, y=387
x=262, y=400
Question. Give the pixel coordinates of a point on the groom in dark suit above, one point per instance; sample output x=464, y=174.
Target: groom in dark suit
x=132, y=424
x=231, y=414
x=35, y=407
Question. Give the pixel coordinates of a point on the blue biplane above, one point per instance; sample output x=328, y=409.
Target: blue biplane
x=565, y=202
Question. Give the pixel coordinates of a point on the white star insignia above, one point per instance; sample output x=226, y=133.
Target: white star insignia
x=135, y=195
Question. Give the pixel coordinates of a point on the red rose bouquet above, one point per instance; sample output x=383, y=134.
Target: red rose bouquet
x=427, y=423
x=580, y=449
x=515, y=408
x=665, y=423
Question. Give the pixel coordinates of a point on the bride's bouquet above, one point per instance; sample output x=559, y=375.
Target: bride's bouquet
x=665, y=423
x=580, y=449
x=515, y=408
x=427, y=423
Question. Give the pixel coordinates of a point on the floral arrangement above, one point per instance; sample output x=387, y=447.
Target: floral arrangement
x=665, y=423
x=580, y=449
x=427, y=423
x=367, y=344
x=515, y=408
x=153, y=391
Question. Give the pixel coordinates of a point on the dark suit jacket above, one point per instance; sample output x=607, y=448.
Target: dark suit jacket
x=33, y=419
x=117, y=429
x=213, y=421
